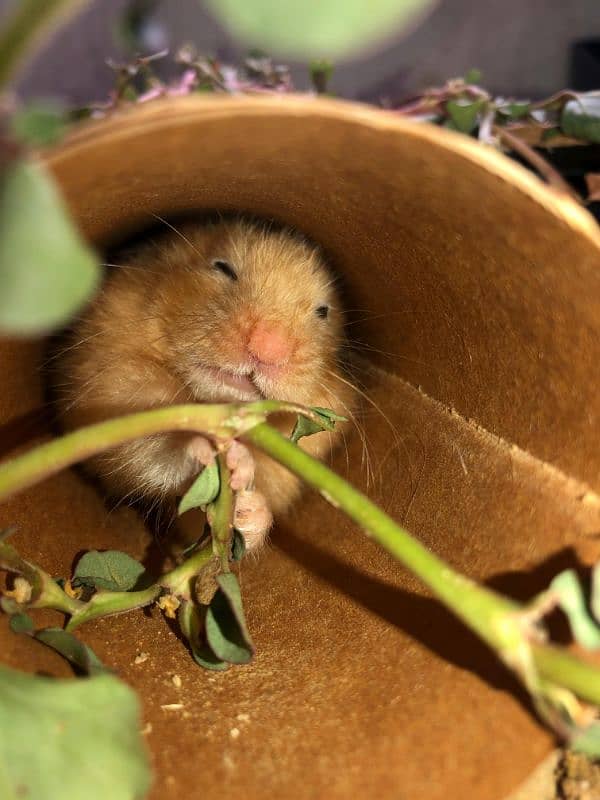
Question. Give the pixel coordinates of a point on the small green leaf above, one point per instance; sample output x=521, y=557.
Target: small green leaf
x=21, y=623
x=516, y=110
x=572, y=601
x=238, y=546
x=226, y=630
x=588, y=741
x=78, y=653
x=190, y=616
x=464, y=114
x=550, y=133
x=46, y=271
x=580, y=117
x=4, y=534
x=40, y=124
x=203, y=491
x=111, y=569
x=205, y=657
x=313, y=28
x=76, y=738
x=306, y=427
x=320, y=75
x=473, y=75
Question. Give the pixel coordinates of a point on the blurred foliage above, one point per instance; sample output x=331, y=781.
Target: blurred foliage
x=318, y=28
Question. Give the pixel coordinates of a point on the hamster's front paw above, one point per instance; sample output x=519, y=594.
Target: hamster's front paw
x=201, y=451
x=241, y=463
x=252, y=518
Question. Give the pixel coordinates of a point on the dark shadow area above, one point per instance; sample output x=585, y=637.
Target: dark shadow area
x=21, y=430
x=425, y=619
x=422, y=618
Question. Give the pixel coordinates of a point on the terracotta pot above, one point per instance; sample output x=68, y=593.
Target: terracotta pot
x=482, y=288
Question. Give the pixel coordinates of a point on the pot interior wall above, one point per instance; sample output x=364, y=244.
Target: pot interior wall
x=485, y=303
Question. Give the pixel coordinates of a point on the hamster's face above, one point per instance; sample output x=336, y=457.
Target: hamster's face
x=250, y=313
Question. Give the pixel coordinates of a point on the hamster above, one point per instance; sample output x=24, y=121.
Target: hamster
x=221, y=312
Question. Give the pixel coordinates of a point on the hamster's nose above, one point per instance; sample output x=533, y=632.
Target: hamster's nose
x=269, y=343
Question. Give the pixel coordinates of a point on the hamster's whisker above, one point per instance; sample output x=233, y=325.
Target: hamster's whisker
x=132, y=267
x=180, y=234
x=64, y=350
x=369, y=400
x=366, y=462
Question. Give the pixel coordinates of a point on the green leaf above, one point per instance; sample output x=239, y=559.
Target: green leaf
x=238, y=546
x=320, y=75
x=580, y=117
x=46, y=271
x=588, y=741
x=190, y=617
x=317, y=28
x=76, y=652
x=473, y=75
x=20, y=622
x=203, y=491
x=515, y=110
x=40, y=124
x=572, y=601
x=110, y=570
x=306, y=427
x=205, y=658
x=464, y=114
x=226, y=630
x=75, y=738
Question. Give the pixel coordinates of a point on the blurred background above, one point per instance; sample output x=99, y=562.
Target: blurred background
x=527, y=49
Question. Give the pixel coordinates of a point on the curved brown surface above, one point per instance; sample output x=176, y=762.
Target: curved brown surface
x=483, y=289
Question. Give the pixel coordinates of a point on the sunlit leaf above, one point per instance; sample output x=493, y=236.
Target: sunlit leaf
x=110, y=569
x=572, y=601
x=226, y=630
x=317, y=28
x=580, y=117
x=203, y=491
x=46, y=271
x=75, y=738
x=306, y=427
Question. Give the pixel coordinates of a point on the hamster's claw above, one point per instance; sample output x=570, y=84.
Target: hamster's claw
x=241, y=463
x=252, y=517
x=201, y=450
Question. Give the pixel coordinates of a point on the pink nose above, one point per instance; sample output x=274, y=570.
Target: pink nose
x=269, y=343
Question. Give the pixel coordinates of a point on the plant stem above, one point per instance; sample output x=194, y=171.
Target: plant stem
x=177, y=582
x=27, y=27
x=106, y=603
x=220, y=516
x=494, y=618
x=218, y=421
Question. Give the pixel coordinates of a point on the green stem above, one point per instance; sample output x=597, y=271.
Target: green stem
x=106, y=603
x=490, y=615
x=178, y=582
x=218, y=421
x=220, y=516
x=565, y=669
x=26, y=28
x=476, y=605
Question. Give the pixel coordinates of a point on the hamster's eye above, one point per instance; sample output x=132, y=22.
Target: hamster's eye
x=225, y=267
x=323, y=312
